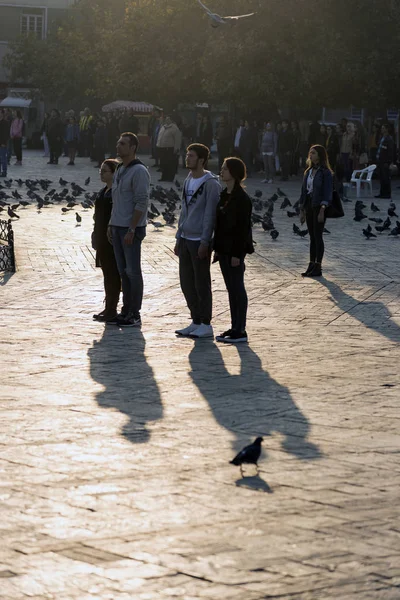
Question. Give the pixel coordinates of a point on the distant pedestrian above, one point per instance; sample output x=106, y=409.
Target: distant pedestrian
x=100, y=141
x=223, y=136
x=269, y=144
x=206, y=132
x=86, y=133
x=332, y=146
x=16, y=134
x=285, y=150
x=55, y=135
x=104, y=251
x=44, y=135
x=232, y=241
x=346, y=150
x=168, y=145
x=129, y=122
x=385, y=157
x=71, y=137
x=4, y=138
x=200, y=197
x=316, y=195
x=127, y=227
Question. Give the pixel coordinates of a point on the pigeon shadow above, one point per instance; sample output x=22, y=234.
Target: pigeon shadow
x=373, y=315
x=254, y=483
x=118, y=362
x=250, y=403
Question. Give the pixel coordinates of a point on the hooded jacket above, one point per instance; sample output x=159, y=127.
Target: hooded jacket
x=197, y=218
x=130, y=192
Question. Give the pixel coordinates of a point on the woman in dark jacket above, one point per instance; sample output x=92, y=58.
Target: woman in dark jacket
x=316, y=195
x=104, y=251
x=232, y=241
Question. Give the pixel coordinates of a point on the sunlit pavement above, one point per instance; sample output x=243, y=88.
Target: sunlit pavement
x=115, y=444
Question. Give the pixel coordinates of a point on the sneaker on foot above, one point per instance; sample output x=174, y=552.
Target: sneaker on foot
x=187, y=330
x=129, y=321
x=270, y=181
x=221, y=337
x=203, y=331
x=236, y=337
x=265, y=181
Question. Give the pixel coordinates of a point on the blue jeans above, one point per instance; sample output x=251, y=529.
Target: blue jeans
x=129, y=267
x=3, y=160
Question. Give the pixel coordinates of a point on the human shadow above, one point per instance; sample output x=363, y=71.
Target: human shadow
x=251, y=403
x=370, y=314
x=118, y=361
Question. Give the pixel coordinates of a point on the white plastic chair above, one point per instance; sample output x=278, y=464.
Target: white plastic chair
x=363, y=176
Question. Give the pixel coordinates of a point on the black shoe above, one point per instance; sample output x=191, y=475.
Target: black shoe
x=383, y=197
x=308, y=270
x=236, y=337
x=316, y=271
x=221, y=337
x=50, y=162
x=130, y=321
x=107, y=317
x=99, y=315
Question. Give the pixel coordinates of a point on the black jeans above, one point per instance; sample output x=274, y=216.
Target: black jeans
x=168, y=163
x=315, y=231
x=17, y=144
x=195, y=279
x=55, y=146
x=234, y=281
x=285, y=159
x=386, y=186
x=112, y=279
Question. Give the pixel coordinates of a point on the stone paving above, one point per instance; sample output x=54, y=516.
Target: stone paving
x=115, y=444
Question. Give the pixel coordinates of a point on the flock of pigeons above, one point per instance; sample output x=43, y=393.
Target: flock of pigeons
x=381, y=224
x=27, y=192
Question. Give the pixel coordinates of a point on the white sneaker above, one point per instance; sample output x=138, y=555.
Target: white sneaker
x=187, y=330
x=264, y=181
x=203, y=331
x=270, y=181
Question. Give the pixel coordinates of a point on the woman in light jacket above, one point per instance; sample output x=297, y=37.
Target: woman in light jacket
x=16, y=134
x=316, y=195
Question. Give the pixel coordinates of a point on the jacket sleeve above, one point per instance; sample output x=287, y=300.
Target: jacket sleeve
x=328, y=188
x=243, y=227
x=212, y=193
x=141, y=187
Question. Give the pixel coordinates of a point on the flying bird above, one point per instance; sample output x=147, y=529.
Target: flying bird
x=217, y=20
x=249, y=455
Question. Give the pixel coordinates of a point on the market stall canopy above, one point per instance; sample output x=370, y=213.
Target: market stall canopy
x=13, y=102
x=139, y=107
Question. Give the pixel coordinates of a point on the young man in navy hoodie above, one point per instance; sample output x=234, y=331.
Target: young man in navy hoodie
x=200, y=197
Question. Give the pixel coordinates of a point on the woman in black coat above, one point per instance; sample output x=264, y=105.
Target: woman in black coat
x=232, y=241
x=316, y=195
x=104, y=251
x=55, y=135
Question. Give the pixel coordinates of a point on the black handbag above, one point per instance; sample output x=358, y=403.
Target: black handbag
x=335, y=209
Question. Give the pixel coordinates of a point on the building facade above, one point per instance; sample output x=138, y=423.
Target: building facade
x=26, y=17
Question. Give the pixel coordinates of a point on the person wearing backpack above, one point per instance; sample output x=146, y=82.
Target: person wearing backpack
x=200, y=197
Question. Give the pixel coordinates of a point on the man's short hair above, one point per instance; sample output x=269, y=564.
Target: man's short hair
x=201, y=150
x=133, y=138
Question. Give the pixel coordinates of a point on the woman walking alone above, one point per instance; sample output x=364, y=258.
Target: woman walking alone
x=232, y=241
x=104, y=251
x=16, y=135
x=316, y=195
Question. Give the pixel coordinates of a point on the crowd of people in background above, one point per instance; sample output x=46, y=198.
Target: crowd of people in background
x=271, y=148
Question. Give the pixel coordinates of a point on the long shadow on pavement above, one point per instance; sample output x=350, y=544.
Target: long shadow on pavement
x=120, y=365
x=250, y=403
x=368, y=313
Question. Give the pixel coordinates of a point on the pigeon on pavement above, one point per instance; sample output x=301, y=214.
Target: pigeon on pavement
x=249, y=455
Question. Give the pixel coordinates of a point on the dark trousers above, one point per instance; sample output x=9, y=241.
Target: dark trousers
x=168, y=163
x=3, y=160
x=55, y=147
x=384, y=175
x=128, y=259
x=315, y=231
x=234, y=281
x=195, y=280
x=285, y=160
x=111, y=276
x=224, y=150
x=17, y=144
x=347, y=165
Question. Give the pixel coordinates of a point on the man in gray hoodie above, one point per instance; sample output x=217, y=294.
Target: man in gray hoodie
x=200, y=197
x=127, y=226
